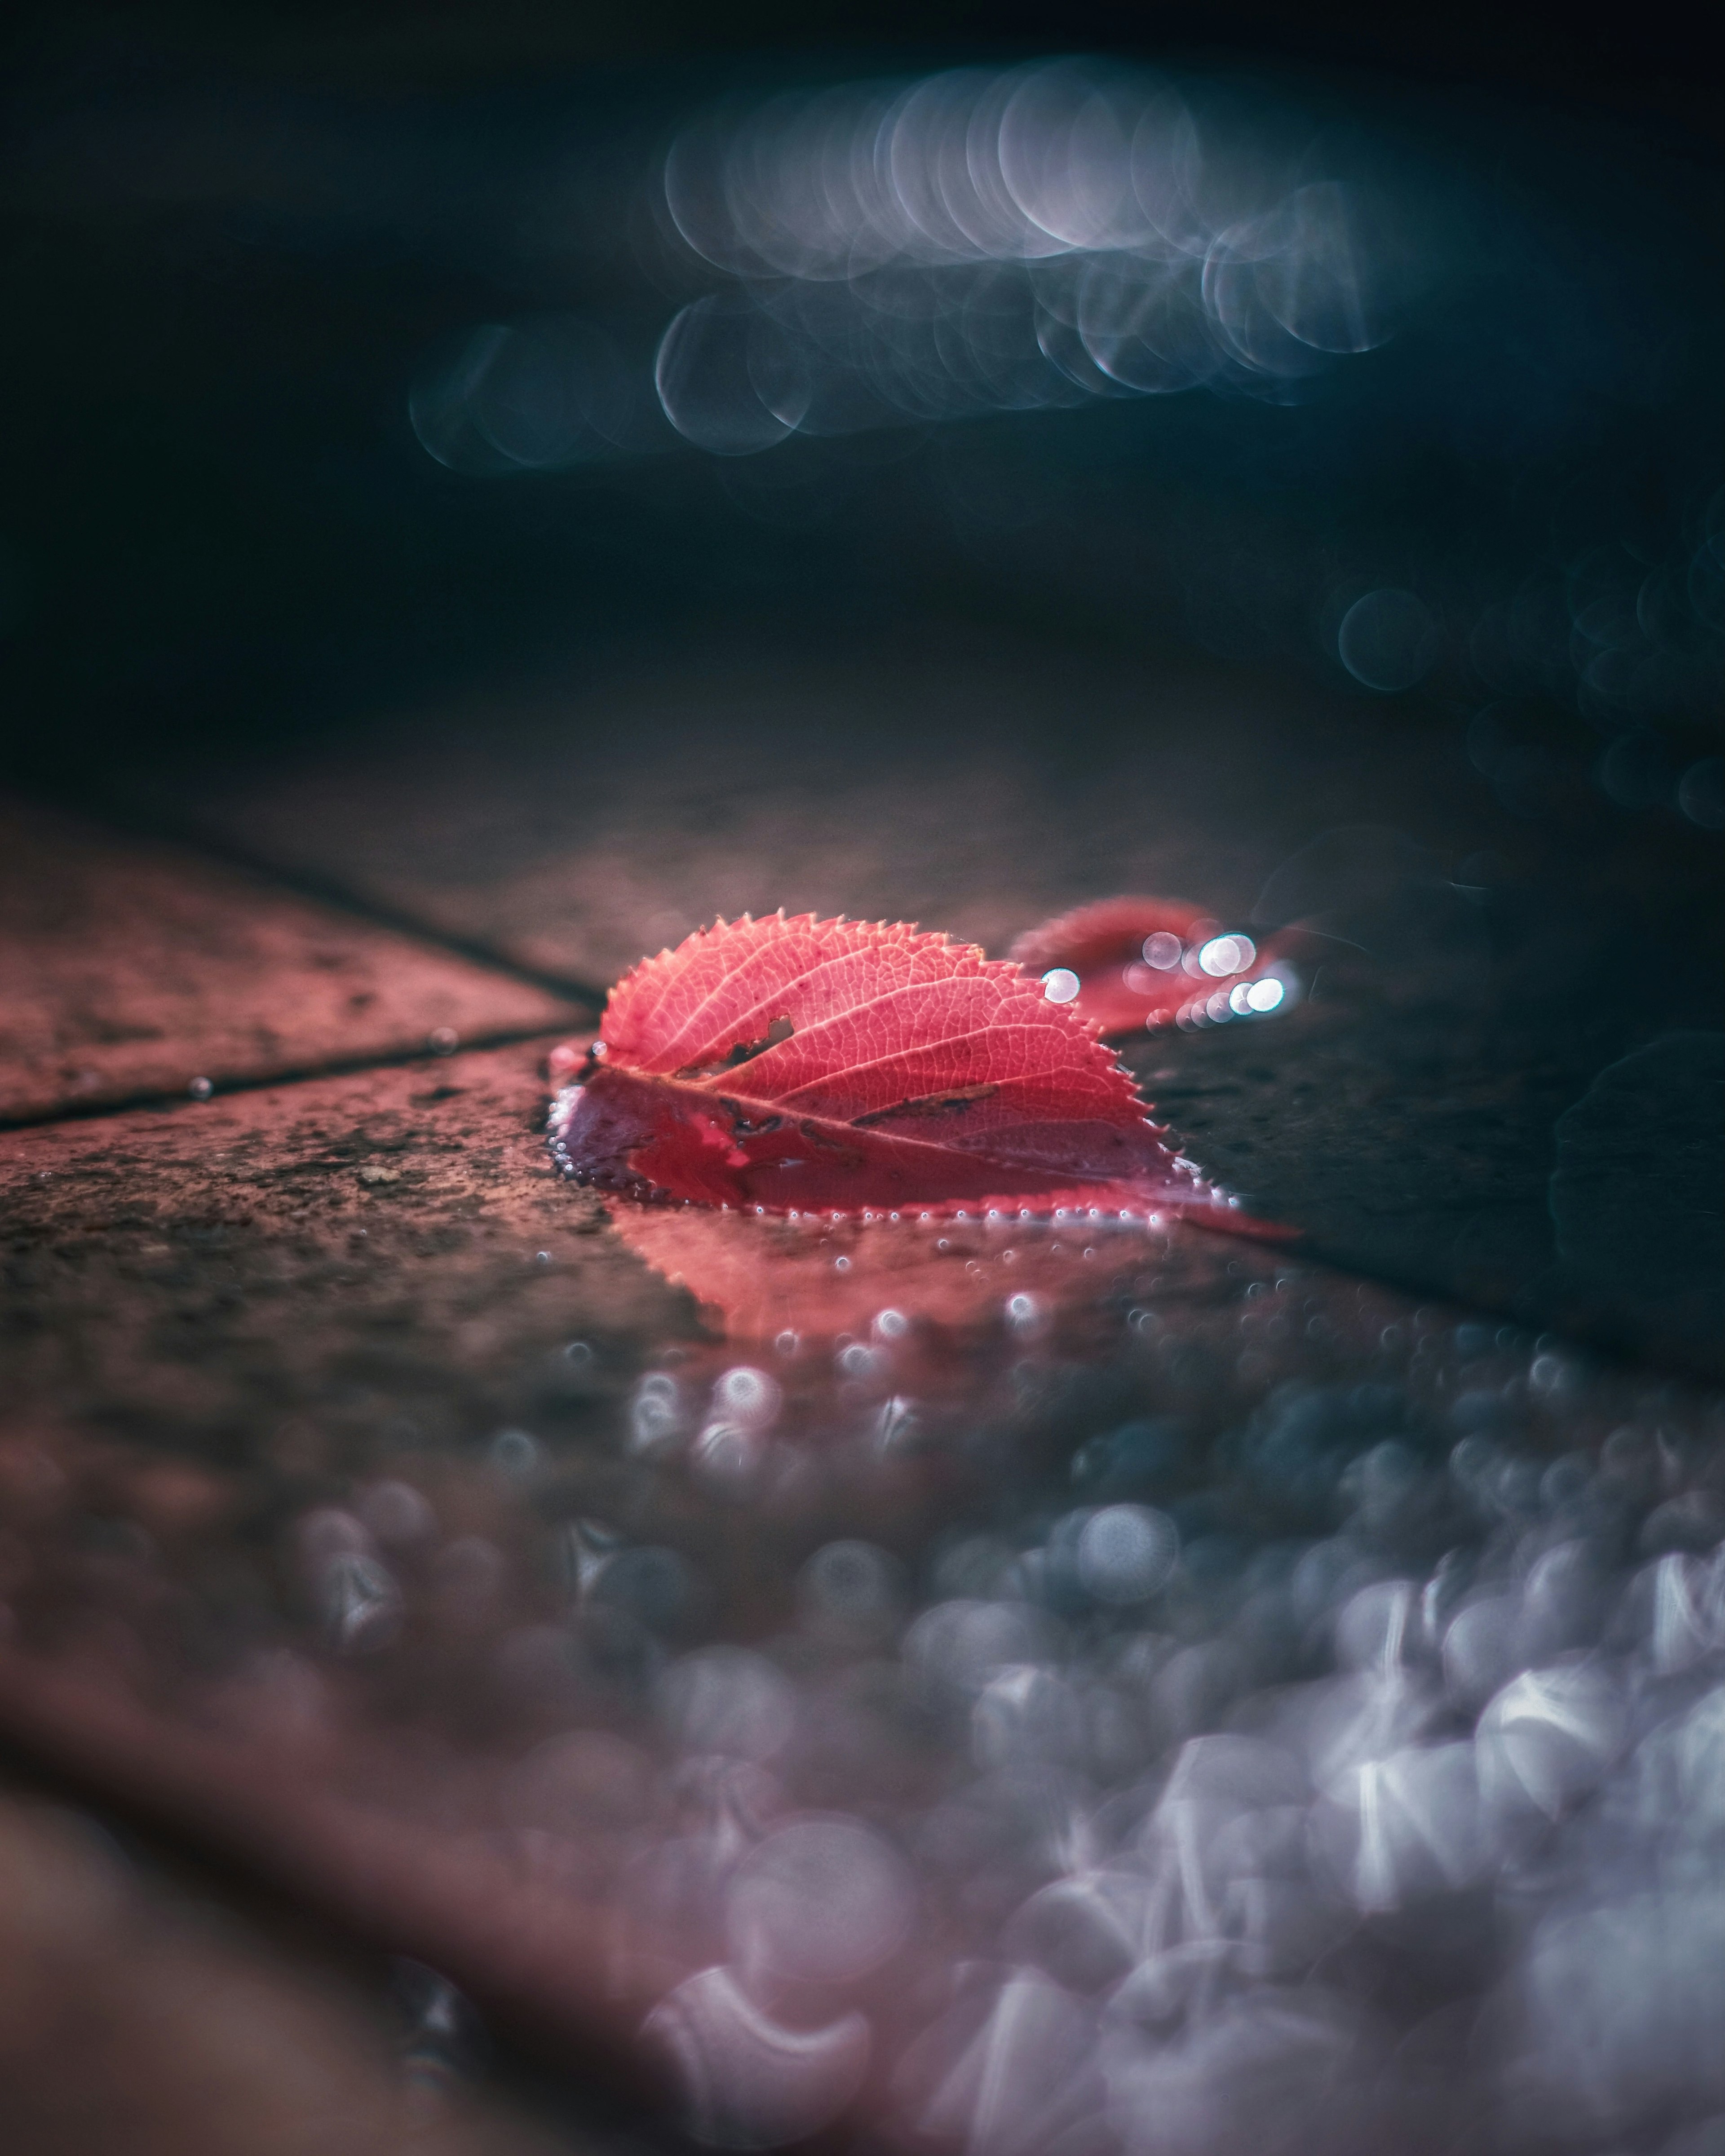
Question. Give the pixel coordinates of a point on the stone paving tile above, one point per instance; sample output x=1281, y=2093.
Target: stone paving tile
x=1419, y=1142
x=129, y=968
x=386, y=1254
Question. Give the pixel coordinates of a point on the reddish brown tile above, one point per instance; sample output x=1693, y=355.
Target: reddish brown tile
x=130, y=968
x=366, y=1260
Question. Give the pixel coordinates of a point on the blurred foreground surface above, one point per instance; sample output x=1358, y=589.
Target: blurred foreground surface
x=138, y=2017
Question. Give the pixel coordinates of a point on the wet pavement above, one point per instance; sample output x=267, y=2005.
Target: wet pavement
x=967, y=1688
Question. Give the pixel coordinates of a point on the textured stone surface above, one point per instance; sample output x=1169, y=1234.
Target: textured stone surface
x=1416, y=1141
x=384, y=1252
x=129, y=968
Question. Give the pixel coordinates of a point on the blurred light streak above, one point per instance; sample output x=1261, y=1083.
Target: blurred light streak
x=975, y=242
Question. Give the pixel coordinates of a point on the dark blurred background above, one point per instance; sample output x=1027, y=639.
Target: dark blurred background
x=233, y=233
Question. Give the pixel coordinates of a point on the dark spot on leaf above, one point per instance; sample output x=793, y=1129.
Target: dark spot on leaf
x=823, y=1136
x=743, y=1128
x=953, y=1102
x=742, y=1051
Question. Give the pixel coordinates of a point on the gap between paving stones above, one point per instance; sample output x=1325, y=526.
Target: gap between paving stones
x=136, y=970
x=336, y=1067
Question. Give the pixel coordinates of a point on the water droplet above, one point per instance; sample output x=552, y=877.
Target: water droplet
x=585, y=1548
x=966, y=1642
x=1227, y=954
x=1026, y=1716
x=200, y=1089
x=1025, y=1315
x=444, y=2042
x=820, y=1900
x=851, y=1586
x=1405, y=1827
x=362, y=1604
x=1700, y=793
x=895, y=1423
x=654, y=1585
x=656, y=1415
x=516, y=1453
x=1060, y=984
x=572, y=1784
x=727, y=1700
x=1163, y=952
x=727, y=1455
x=443, y=1040
x=1126, y=1552
x=1387, y=640
x=747, y=2082
x=1546, y=1738
x=746, y=1395
x=329, y=1533
x=397, y=1513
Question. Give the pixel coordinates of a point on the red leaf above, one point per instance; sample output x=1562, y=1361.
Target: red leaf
x=840, y=1067
x=1145, y=962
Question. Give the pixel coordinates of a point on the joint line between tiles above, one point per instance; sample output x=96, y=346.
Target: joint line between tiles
x=299, y=1074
